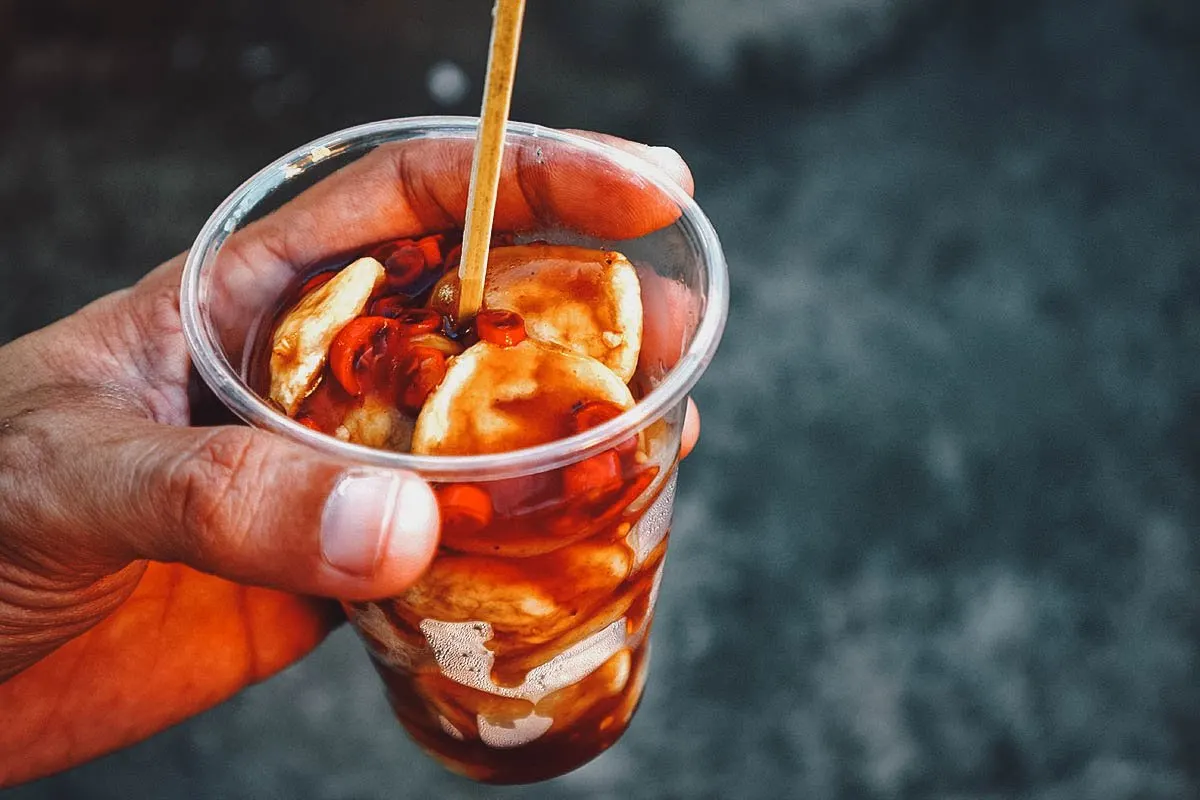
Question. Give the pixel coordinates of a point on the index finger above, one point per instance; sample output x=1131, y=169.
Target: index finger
x=420, y=186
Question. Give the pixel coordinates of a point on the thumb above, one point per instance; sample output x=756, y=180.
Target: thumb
x=245, y=505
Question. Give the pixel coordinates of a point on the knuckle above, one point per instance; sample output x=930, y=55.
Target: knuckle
x=214, y=487
x=149, y=348
x=21, y=441
x=24, y=451
x=412, y=167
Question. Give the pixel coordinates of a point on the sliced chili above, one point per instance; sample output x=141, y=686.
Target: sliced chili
x=431, y=248
x=597, y=412
x=593, y=509
x=454, y=257
x=413, y=321
x=500, y=327
x=466, y=509
x=355, y=350
x=592, y=413
x=390, y=305
x=419, y=372
x=595, y=477
x=316, y=282
x=403, y=260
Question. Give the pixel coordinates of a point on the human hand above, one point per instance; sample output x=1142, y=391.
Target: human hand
x=148, y=569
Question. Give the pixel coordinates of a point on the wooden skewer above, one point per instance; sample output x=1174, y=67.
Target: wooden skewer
x=489, y=153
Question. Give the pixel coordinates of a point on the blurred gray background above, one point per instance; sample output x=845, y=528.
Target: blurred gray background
x=940, y=538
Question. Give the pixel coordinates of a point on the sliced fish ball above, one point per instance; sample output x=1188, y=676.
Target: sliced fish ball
x=569, y=704
x=526, y=602
x=300, y=342
x=494, y=399
x=588, y=301
x=376, y=423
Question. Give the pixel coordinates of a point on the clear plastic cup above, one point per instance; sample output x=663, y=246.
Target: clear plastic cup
x=522, y=653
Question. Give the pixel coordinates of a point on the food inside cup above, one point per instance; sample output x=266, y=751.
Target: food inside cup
x=521, y=653
x=371, y=353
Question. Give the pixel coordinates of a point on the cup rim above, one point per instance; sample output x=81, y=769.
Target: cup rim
x=227, y=383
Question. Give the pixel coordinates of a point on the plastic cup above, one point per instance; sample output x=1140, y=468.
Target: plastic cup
x=522, y=653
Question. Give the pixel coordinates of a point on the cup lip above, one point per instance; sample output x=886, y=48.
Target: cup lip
x=227, y=383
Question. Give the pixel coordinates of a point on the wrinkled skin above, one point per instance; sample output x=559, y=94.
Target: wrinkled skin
x=149, y=570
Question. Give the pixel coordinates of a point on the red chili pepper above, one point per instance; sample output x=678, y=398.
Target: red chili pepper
x=317, y=281
x=592, y=511
x=403, y=260
x=419, y=370
x=309, y=422
x=349, y=355
x=405, y=267
x=594, y=477
x=593, y=413
x=390, y=305
x=413, y=321
x=500, y=327
x=466, y=509
x=597, y=412
x=431, y=248
x=454, y=257
x=384, y=250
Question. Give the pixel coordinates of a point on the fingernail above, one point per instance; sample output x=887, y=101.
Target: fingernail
x=669, y=161
x=372, y=515
x=667, y=157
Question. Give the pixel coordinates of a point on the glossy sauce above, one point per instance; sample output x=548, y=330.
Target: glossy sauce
x=542, y=418
x=511, y=281
x=530, y=574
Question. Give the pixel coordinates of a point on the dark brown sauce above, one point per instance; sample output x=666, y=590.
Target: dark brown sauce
x=539, y=420
x=583, y=280
x=547, y=569
x=559, y=751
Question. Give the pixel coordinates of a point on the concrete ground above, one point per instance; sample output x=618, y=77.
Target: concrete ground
x=940, y=538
